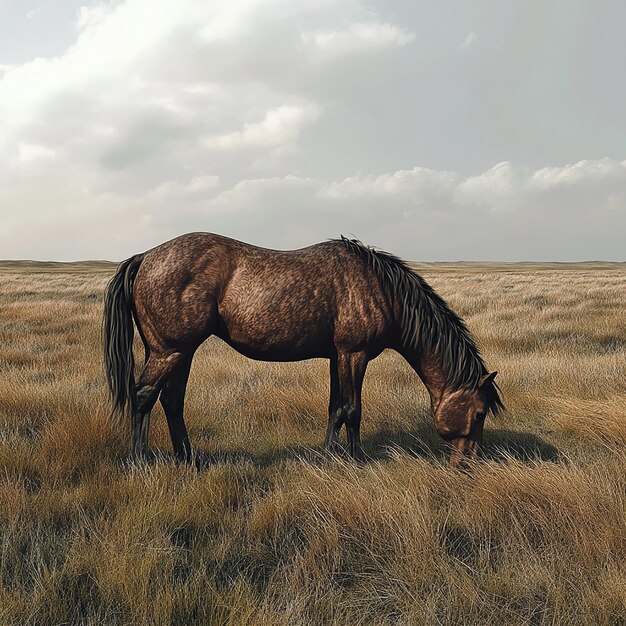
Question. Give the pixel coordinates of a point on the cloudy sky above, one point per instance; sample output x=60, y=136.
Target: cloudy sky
x=437, y=130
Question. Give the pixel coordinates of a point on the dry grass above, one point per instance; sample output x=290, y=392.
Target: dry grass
x=272, y=531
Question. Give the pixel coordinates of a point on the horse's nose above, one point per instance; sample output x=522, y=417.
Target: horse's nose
x=465, y=452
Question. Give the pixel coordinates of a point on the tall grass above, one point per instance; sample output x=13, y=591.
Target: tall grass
x=270, y=530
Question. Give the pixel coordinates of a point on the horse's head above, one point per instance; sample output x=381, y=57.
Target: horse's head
x=460, y=418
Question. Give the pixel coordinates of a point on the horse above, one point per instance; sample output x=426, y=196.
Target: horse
x=339, y=300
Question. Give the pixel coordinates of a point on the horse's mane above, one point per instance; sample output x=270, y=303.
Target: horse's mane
x=427, y=321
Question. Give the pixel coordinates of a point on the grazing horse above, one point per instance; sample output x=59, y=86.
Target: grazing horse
x=337, y=300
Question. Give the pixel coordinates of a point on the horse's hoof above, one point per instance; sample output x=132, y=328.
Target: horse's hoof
x=358, y=456
x=335, y=449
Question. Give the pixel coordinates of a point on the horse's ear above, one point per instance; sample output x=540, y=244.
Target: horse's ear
x=487, y=379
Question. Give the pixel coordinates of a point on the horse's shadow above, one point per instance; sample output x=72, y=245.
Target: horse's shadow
x=262, y=460
x=525, y=447
x=423, y=441
x=420, y=441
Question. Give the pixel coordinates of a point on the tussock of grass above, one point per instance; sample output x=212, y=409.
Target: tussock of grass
x=272, y=531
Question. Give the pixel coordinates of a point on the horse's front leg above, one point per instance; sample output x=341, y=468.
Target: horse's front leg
x=345, y=403
x=335, y=412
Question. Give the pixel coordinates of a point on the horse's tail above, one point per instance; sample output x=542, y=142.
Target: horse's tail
x=117, y=337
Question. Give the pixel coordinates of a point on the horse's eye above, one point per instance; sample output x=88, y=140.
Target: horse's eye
x=480, y=417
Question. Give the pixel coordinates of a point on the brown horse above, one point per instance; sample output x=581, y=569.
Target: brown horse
x=338, y=300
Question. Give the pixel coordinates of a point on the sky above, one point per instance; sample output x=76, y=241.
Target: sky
x=446, y=130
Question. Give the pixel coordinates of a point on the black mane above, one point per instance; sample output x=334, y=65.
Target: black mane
x=427, y=322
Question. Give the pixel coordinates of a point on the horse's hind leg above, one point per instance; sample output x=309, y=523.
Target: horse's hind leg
x=173, y=399
x=155, y=371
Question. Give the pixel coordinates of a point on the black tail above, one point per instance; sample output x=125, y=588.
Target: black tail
x=117, y=337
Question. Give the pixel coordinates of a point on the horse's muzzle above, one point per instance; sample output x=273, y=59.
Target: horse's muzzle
x=464, y=452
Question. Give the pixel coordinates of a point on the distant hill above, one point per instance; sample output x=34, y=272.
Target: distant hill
x=57, y=266
x=518, y=266
x=441, y=266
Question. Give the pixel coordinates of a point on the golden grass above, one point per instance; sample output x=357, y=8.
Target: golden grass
x=274, y=532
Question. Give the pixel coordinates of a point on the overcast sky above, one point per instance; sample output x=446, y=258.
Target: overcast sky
x=446, y=130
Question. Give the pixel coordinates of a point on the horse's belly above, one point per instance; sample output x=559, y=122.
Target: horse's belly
x=267, y=340
x=279, y=347
x=277, y=352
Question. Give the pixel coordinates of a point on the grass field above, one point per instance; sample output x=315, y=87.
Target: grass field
x=272, y=531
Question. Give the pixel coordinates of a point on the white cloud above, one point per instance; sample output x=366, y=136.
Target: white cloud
x=144, y=75
x=275, y=160
x=419, y=180
x=499, y=188
x=92, y=16
x=176, y=190
x=419, y=213
x=468, y=41
x=436, y=215
x=33, y=13
x=32, y=152
x=279, y=126
x=358, y=37
x=503, y=187
x=601, y=171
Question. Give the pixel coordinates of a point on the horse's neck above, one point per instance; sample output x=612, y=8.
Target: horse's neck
x=426, y=363
x=428, y=367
